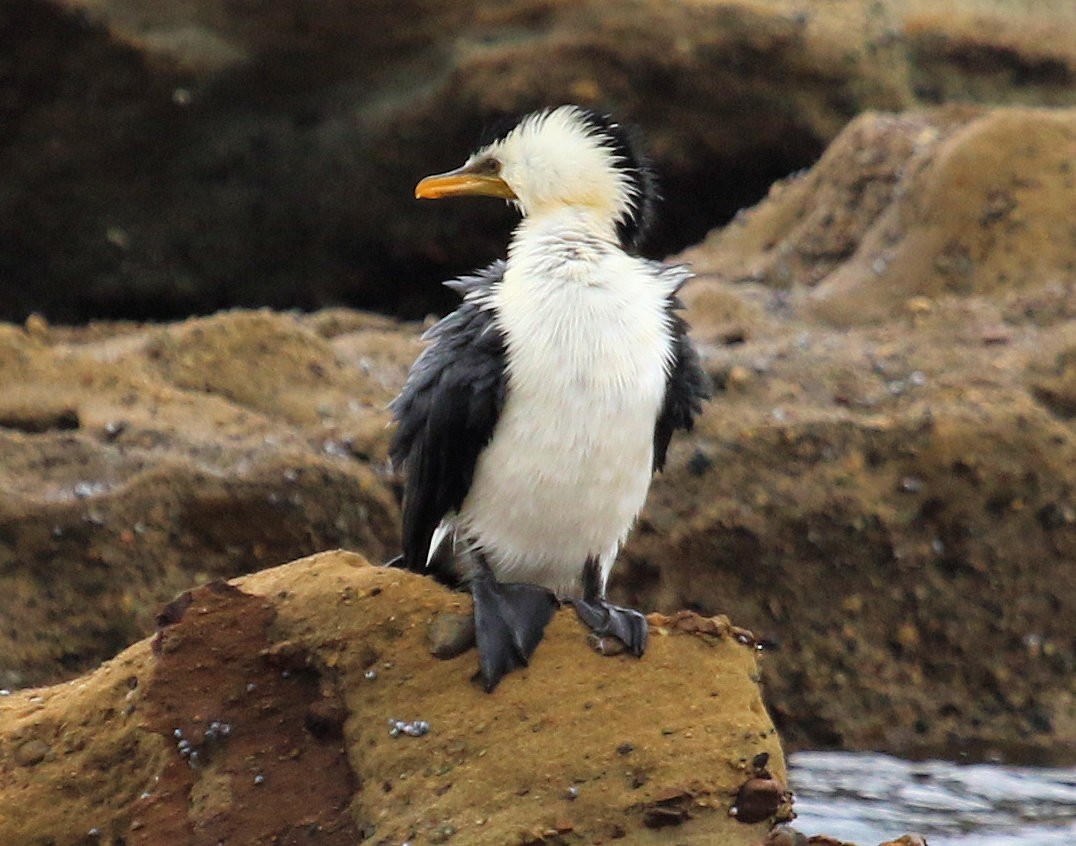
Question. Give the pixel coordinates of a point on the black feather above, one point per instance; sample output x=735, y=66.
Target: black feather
x=688, y=386
x=447, y=411
x=626, y=143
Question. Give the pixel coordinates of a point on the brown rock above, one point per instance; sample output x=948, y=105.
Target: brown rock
x=268, y=775
x=908, y=466
x=758, y=799
x=451, y=635
x=31, y=752
x=203, y=449
x=303, y=197
x=912, y=208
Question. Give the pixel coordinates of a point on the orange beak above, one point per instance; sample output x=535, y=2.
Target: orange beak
x=463, y=182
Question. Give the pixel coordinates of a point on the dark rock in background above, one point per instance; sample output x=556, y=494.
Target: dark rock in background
x=167, y=159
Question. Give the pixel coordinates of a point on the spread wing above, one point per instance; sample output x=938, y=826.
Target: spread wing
x=447, y=411
x=688, y=386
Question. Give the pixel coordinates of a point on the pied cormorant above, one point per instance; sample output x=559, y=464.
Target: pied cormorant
x=530, y=427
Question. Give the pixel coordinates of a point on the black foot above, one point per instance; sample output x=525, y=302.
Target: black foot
x=509, y=621
x=605, y=619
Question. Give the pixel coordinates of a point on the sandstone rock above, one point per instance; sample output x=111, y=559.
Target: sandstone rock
x=161, y=159
x=909, y=470
x=208, y=740
x=905, y=209
x=136, y=461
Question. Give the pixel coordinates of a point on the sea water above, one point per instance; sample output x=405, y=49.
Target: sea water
x=868, y=798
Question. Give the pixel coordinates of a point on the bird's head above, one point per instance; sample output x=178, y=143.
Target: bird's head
x=562, y=157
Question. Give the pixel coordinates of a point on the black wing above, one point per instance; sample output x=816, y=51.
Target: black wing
x=688, y=386
x=446, y=412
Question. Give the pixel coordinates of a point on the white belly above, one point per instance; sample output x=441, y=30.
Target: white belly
x=569, y=465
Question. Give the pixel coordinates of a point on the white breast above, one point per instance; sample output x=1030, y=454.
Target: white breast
x=569, y=465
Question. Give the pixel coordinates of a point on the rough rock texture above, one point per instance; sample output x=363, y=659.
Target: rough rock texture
x=259, y=714
x=164, y=158
x=137, y=461
x=885, y=481
x=883, y=485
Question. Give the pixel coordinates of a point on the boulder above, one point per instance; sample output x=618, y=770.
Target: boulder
x=302, y=705
x=136, y=461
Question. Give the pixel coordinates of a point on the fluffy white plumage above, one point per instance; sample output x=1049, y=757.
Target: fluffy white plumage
x=556, y=159
x=586, y=328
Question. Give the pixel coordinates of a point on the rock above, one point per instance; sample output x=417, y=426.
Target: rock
x=135, y=461
x=758, y=799
x=889, y=495
x=168, y=158
x=907, y=209
x=31, y=752
x=140, y=722
x=451, y=635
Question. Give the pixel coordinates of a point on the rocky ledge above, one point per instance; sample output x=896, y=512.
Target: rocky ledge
x=303, y=704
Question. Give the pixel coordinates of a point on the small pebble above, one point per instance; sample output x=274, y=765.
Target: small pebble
x=450, y=634
x=259, y=779
x=370, y=675
x=757, y=800
x=911, y=484
x=31, y=753
x=573, y=792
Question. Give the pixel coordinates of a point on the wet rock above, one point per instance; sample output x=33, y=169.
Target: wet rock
x=784, y=835
x=758, y=799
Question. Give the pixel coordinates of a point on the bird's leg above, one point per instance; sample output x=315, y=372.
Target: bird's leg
x=509, y=621
x=605, y=619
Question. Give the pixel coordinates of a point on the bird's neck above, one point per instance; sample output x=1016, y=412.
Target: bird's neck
x=563, y=235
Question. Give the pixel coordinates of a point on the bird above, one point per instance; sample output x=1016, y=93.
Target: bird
x=530, y=426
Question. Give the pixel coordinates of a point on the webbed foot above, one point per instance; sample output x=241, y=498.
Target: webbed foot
x=510, y=619
x=606, y=619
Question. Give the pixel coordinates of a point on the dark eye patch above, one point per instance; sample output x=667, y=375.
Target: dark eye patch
x=487, y=166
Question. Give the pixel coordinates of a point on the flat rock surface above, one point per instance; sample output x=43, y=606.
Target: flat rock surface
x=260, y=713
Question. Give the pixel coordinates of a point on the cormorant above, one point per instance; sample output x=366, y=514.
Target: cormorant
x=530, y=427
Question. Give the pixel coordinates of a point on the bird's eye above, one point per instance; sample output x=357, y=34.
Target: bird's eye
x=487, y=166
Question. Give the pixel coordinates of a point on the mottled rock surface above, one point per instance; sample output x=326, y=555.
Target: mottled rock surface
x=259, y=714
x=135, y=461
x=161, y=159
x=884, y=483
